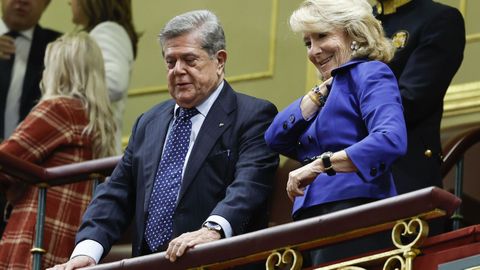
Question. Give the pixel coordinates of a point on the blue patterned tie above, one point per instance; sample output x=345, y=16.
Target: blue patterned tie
x=167, y=181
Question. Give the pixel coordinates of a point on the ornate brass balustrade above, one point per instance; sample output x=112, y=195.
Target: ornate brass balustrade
x=281, y=245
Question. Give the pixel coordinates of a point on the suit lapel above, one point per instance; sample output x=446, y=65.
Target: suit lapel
x=33, y=73
x=155, y=132
x=218, y=120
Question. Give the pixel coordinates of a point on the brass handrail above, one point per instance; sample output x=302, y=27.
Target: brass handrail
x=285, y=242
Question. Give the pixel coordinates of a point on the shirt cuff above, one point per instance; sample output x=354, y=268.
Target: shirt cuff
x=226, y=227
x=89, y=248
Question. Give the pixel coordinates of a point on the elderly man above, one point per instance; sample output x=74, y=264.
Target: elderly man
x=196, y=168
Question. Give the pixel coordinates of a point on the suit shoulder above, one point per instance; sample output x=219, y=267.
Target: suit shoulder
x=371, y=68
x=247, y=100
x=439, y=10
x=50, y=34
x=158, y=108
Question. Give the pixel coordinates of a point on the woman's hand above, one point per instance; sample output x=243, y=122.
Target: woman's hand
x=301, y=177
x=309, y=107
x=325, y=86
x=304, y=176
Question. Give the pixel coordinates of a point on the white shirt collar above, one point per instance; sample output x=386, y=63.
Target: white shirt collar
x=28, y=34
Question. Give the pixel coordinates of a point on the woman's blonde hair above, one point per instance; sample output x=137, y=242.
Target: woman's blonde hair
x=355, y=17
x=74, y=68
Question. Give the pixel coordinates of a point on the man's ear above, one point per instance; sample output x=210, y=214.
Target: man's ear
x=221, y=56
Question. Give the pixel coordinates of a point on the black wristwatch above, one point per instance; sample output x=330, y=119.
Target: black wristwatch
x=212, y=226
x=327, y=164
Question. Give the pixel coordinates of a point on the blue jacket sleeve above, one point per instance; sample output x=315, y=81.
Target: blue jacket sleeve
x=289, y=124
x=382, y=112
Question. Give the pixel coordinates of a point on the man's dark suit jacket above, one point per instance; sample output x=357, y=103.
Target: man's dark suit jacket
x=33, y=74
x=229, y=173
x=424, y=66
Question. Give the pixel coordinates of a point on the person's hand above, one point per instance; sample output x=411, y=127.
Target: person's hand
x=7, y=47
x=75, y=263
x=325, y=86
x=301, y=177
x=178, y=246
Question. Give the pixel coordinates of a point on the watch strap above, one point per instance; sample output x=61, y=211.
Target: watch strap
x=327, y=163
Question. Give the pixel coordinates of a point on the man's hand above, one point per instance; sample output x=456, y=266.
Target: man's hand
x=7, y=47
x=75, y=263
x=179, y=245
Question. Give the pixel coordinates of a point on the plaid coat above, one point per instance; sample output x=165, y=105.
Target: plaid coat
x=50, y=135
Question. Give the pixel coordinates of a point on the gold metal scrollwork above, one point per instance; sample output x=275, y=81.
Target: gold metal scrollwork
x=394, y=263
x=414, y=228
x=290, y=257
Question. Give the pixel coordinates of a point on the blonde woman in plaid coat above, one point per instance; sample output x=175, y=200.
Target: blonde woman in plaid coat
x=71, y=123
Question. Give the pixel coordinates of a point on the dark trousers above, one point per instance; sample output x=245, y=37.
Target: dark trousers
x=345, y=249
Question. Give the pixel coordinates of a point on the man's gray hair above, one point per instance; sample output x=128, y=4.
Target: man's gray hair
x=202, y=21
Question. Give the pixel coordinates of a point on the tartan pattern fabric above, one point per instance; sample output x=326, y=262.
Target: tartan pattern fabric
x=51, y=135
x=161, y=206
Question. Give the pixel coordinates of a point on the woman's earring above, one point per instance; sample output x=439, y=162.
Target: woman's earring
x=354, y=46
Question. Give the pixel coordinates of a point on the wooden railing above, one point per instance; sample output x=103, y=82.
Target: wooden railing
x=43, y=178
x=271, y=245
x=283, y=243
x=454, y=156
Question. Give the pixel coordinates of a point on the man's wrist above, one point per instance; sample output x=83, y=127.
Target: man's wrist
x=213, y=226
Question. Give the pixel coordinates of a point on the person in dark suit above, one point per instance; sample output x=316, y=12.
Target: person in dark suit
x=430, y=39
x=228, y=170
x=22, y=48
x=22, y=17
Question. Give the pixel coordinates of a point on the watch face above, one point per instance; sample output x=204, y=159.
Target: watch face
x=213, y=226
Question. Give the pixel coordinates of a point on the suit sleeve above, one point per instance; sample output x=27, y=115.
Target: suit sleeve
x=432, y=65
x=254, y=169
x=112, y=208
x=287, y=127
x=381, y=110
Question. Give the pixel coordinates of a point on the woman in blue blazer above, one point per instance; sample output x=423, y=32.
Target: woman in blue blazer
x=350, y=129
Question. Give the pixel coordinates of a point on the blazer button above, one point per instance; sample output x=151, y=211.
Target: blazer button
x=382, y=166
x=310, y=139
x=299, y=143
x=428, y=153
x=285, y=125
x=291, y=118
x=373, y=171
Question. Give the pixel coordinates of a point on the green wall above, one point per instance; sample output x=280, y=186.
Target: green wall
x=265, y=58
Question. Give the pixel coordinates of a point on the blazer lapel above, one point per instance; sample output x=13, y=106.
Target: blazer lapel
x=218, y=120
x=156, y=132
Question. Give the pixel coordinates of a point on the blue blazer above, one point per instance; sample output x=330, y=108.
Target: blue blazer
x=363, y=115
x=229, y=173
